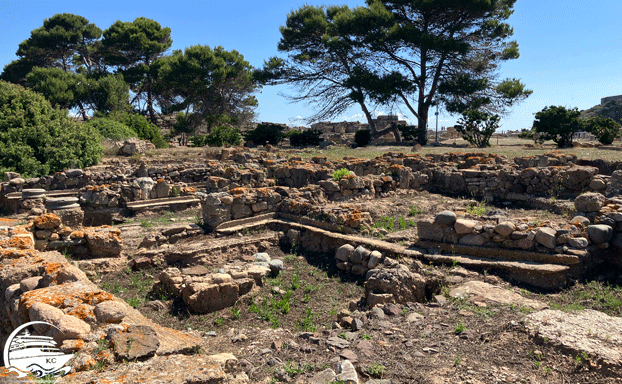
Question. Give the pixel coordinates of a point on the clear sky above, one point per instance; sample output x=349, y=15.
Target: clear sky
x=571, y=51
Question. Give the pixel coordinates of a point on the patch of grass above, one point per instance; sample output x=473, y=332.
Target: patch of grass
x=147, y=224
x=219, y=322
x=307, y=324
x=235, y=311
x=596, y=295
x=459, y=328
x=292, y=368
x=133, y=302
x=393, y=223
x=477, y=210
x=413, y=210
x=375, y=370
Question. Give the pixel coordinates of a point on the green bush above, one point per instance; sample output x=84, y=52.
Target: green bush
x=311, y=137
x=558, y=124
x=111, y=129
x=37, y=139
x=340, y=173
x=224, y=135
x=362, y=137
x=605, y=129
x=144, y=128
x=477, y=127
x=198, y=140
x=265, y=133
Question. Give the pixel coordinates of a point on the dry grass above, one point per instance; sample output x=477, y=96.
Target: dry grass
x=510, y=148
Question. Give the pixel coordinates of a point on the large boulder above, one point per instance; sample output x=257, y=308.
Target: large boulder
x=404, y=285
x=206, y=298
x=589, y=202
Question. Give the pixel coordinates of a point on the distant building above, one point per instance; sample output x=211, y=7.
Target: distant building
x=605, y=100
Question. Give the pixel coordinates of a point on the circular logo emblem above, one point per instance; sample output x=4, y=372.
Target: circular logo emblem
x=26, y=353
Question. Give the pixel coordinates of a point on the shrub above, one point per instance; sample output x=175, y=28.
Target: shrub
x=362, y=137
x=224, y=135
x=198, y=140
x=605, y=129
x=144, y=128
x=36, y=139
x=477, y=127
x=340, y=173
x=265, y=133
x=311, y=137
x=111, y=129
x=558, y=124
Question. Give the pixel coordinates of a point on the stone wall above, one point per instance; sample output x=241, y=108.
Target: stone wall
x=44, y=286
x=596, y=227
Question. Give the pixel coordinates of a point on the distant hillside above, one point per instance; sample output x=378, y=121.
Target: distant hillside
x=611, y=109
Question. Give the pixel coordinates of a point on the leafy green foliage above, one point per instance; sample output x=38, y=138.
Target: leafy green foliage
x=36, y=139
x=224, y=135
x=477, y=127
x=133, y=47
x=265, y=133
x=110, y=128
x=605, y=129
x=340, y=173
x=362, y=137
x=311, y=137
x=144, y=128
x=216, y=85
x=558, y=124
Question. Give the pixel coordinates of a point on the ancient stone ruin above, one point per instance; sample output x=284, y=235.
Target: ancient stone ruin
x=74, y=212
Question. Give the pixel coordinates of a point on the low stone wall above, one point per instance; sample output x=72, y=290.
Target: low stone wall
x=44, y=286
x=597, y=225
x=241, y=203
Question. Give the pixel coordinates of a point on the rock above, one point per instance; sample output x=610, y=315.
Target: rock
x=598, y=185
x=505, y=228
x=404, y=285
x=347, y=354
x=580, y=221
x=428, y=230
x=445, y=218
x=578, y=242
x=546, y=237
x=110, y=311
x=337, y=342
x=30, y=283
x=344, y=252
x=162, y=189
x=205, y=298
x=47, y=221
x=195, y=270
x=476, y=239
x=70, y=327
x=374, y=259
x=497, y=294
x=580, y=332
x=599, y=233
x=360, y=255
x=262, y=257
x=329, y=185
x=327, y=376
x=138, y=342
x=104, y=242
x=414, y=317
x=276, y=265
x=133, y=146
x=377, y=313
x=464, y=227
x=347, y=373
x=44, y=312
x=374, y=299
x=589, y=202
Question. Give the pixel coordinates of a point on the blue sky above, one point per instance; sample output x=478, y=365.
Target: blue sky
x=571, y=51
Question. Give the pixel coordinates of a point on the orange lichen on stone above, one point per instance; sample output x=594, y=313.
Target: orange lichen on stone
x=52, y=267
x=7, y=221
x=81, y=312
x=238, y=191
x=19, y=242
x=94, y=298
x=188, y=191
x=97, y=187
x=76, y=235
x=47, y=221
x=160, y=181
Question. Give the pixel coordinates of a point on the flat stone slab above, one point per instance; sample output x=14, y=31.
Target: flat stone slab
x=589, y=331
x=498, y=295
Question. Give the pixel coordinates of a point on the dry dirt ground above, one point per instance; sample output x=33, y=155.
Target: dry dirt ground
x=285, y=330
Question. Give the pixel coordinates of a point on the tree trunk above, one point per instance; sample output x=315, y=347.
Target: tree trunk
x=422, y=122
